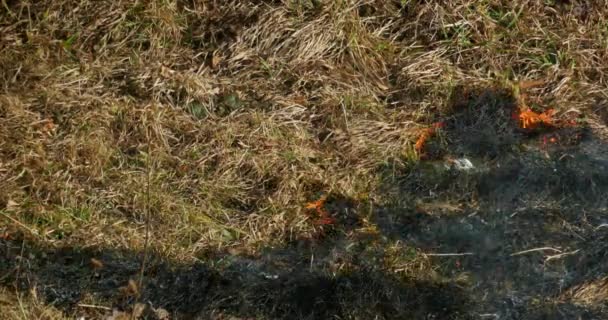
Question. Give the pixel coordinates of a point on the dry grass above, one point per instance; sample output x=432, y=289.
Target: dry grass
x=593, y=293
x=244, y=111
x=26, y=307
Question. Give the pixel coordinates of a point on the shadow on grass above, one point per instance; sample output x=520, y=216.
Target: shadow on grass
x=231, y=286
x=329, y=275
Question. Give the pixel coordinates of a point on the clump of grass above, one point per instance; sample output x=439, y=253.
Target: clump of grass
x=21, y=307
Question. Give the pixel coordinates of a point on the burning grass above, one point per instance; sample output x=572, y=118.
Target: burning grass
x=214, y=124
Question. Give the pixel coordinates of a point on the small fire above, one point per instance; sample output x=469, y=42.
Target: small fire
x=531, y=120
x=425, y=135
x=323, y=217
x=550, y=139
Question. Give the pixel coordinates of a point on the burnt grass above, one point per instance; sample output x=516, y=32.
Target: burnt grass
x=243, y=287
x=520, y=195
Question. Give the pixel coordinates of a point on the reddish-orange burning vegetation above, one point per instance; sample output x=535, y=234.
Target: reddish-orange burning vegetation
x=426, y=134
x=317, y=211
x=531, y=120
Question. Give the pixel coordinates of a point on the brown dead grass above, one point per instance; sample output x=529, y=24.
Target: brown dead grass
x=592, y=293
x=244, y=111
x=24, y=307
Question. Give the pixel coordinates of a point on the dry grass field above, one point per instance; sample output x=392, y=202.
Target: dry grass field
x=303, y=159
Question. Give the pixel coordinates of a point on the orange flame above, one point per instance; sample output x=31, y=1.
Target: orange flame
x=530, y=119
x=425, y=135
x=319, y=207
